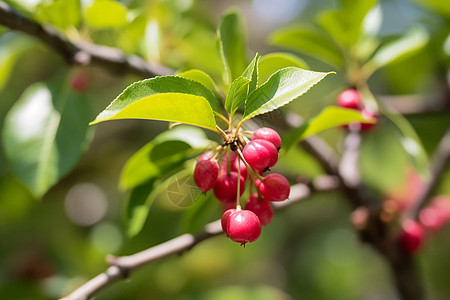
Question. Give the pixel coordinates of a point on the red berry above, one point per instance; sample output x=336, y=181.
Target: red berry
x=275, y=187
x=205, y=156
x=79, y=83
x=411, y=236
x=225, y=219
x=261, y=207
x=205, y=174
x=349, y=99
x=233, y=166
x=369, y=116
x=243, y=226
x=257, y=183
x=226, y=187
x=268, y=134
x=437, y=214
x=260, y=154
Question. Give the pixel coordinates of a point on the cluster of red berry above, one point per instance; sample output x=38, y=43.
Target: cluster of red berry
x=352, y=99
x=227, y=170
x=431, y=219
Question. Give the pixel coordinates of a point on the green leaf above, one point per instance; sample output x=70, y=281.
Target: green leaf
x=329, y=117
x=200, y=77
x=345, y=25
x=282, y=87
x=179, y=189
x=12, y=48
x=164, y=154
x=168, y=98
x=310, y=41
x=138, y=207
x=382, y=153
x=270, y=63
x=414, y=40
x=61, y=13
x=438, y=6
x=195, y=217
x=251, y=73
x=237, y=94
x=44, y=134
x=410, y=142
x=103, y=14
x=232, y=44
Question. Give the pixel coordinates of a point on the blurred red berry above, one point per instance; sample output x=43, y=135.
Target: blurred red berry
x=349, y=99
x=411, y=236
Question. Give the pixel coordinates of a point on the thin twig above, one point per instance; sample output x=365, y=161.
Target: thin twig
x=437, y=167
x=81, y=53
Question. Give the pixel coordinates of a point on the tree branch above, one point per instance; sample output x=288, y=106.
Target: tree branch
x=437, y=166
x=122, y=267
x=81, y=53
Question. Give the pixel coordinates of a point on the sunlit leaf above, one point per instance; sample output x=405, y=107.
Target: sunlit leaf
x=251, y=73
x=272, y=62
x=44, y=134
x=236, y=94
x=345, y=24
x=106, y=14
x=169, y=98
x=392, y=52
x=330, y=117
x=310, y=41
x=61, y=13
x=282, y=87
x=200, y=77
x=232, y=44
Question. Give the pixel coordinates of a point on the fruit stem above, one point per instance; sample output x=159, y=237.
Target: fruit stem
x=222, y=133
x=249, y=168
x=222, y=117
x=239, y=182
x=237, y=128
x=228, y=162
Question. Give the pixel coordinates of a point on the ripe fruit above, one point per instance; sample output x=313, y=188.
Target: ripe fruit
x=349, y=99
x=79, y=83
x=205, y=174
x=411, y=236
x=260, y=154
x=268, y=134
x=206, y=155
x=275, y=187
x=369, y=116
x=436, y=215
x=243, y=226
x=225, y=218
x=226, y=187
x=233, y=166
x=261, y=207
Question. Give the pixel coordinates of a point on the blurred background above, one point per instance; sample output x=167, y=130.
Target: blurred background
x=56, y=232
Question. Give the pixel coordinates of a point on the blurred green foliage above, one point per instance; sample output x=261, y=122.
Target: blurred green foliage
x=309, y=251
